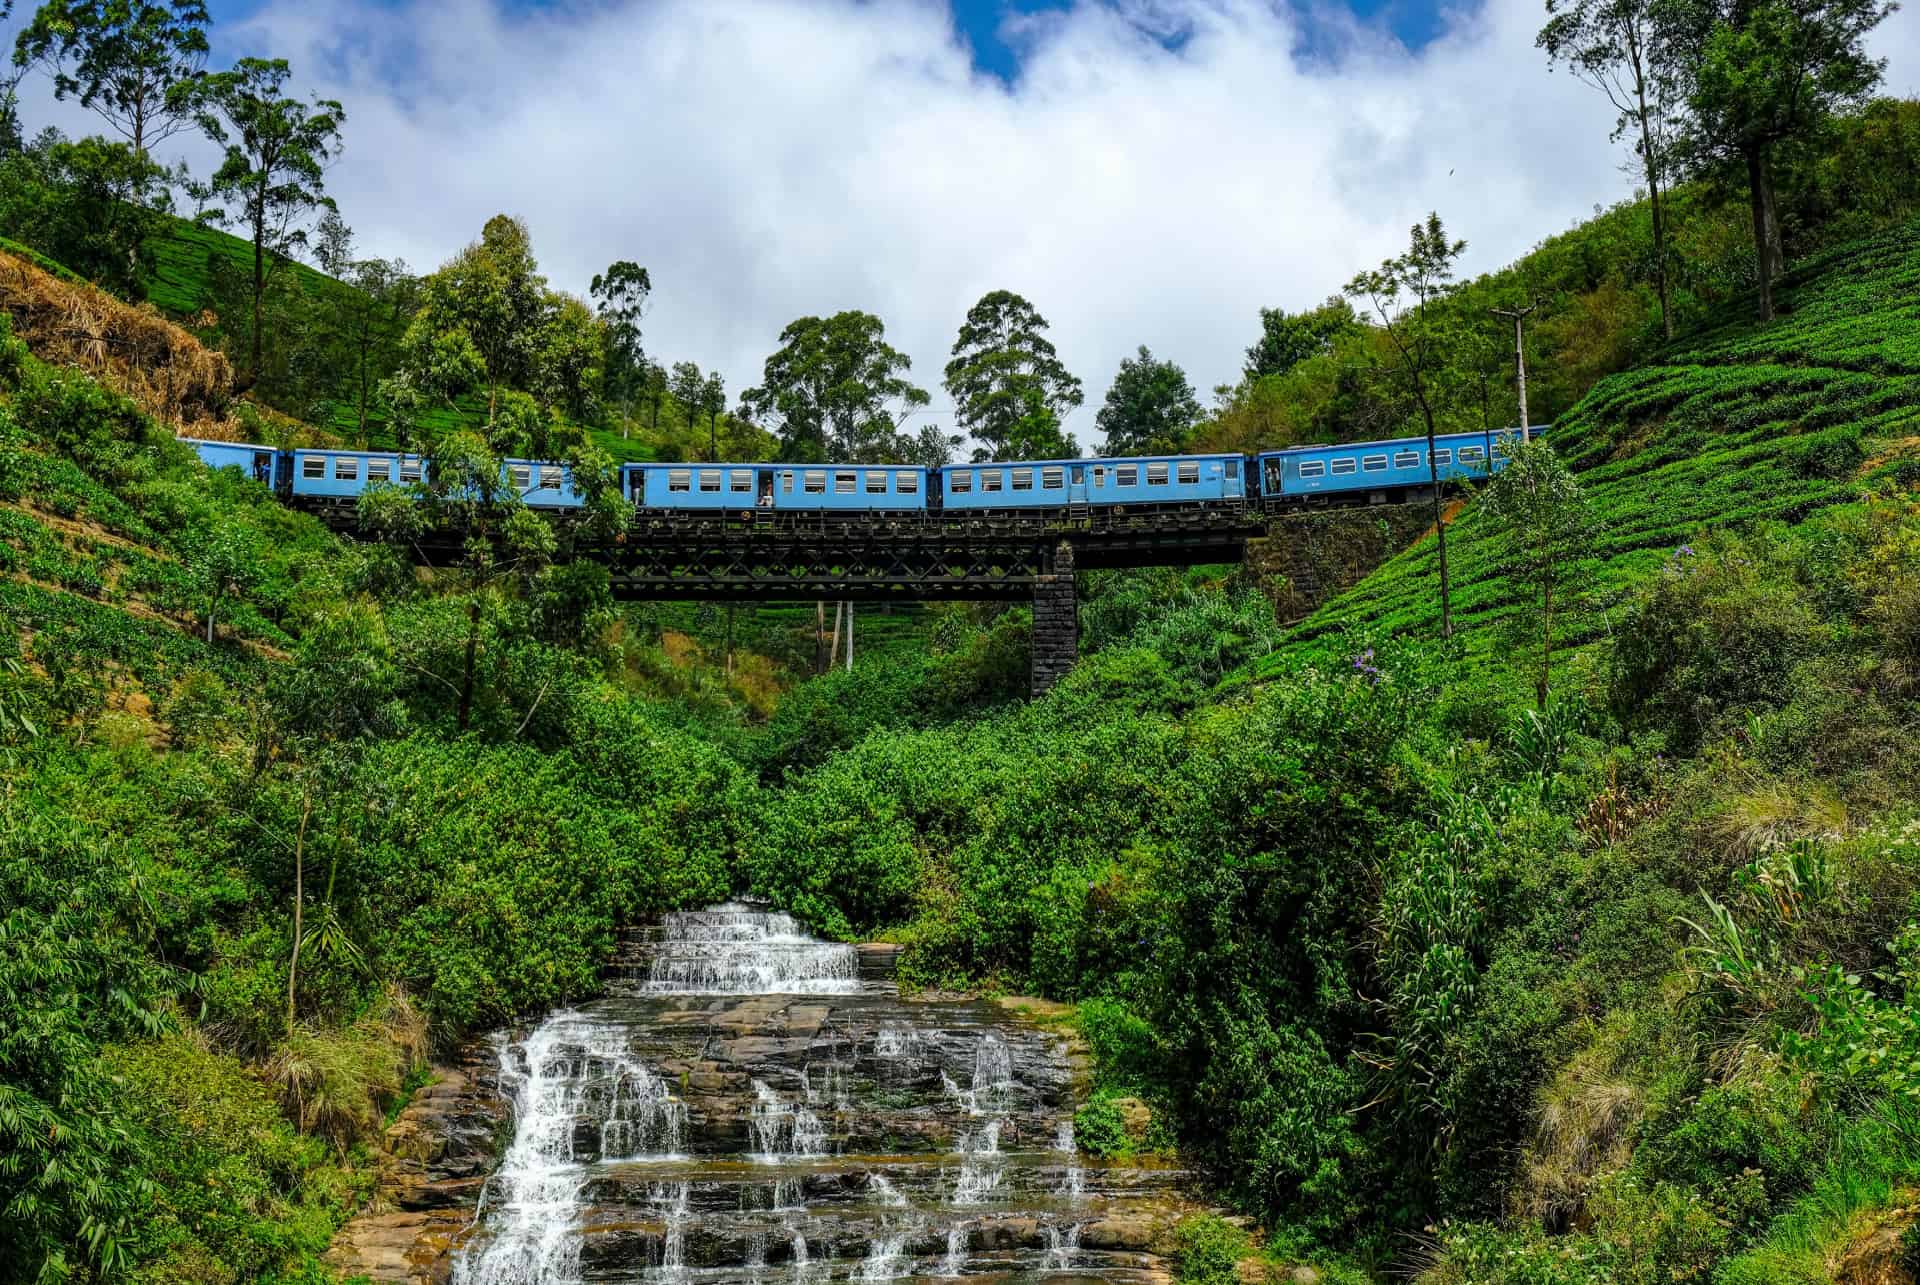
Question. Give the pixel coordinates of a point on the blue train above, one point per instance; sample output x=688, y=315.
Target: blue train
x=1345, y=473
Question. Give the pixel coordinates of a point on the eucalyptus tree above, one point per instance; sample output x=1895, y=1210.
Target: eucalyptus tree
x=1402, y=293
x=273, y=172
x=713, y=400
x=688, y=386
x=836, y=388
x=1009, y=388
x=1150, y=407
x=620, y=296
x=1760, y=75
x=1611, y=45
x=133, y=63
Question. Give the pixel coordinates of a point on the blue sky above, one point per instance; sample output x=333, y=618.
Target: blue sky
x=996, y=46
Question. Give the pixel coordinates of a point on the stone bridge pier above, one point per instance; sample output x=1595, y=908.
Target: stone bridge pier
x=1056, y=620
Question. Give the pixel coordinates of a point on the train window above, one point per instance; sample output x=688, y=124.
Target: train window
x=679, y=479
x=313, y=466
x=1126, y=475
x=844, y=483
x=378, y=470
x=1472, y=454
x=1079, y=475
x=520, y=475
x=1189, y=474
x=549, y=477
x=1374, y=463
x=992, y=479
x=1313, y=468
x=1099, y=475
x=1442, y=457
x=786, y=483
x=1157, y=474
x=1023, y=479
x=960, y=483
x=741, y=480
x=409, y=470
x=346, y=470
x=710, y=479
x=907, y=483
x=876, y=481
x=1406, y=459
x=815, y=481
x=1343, y=465
x=1052, y=479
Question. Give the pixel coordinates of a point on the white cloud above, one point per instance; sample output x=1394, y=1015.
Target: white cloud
x=768, y=159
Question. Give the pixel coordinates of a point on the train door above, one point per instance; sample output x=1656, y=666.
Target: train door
x=263, y=467
x=1077, y=485
x=763, y=489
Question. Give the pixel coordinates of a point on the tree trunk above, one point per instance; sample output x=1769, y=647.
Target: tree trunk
x=466, y=676
x=213, y=606
x=1546, y=640
x=299, y=860
x=1651, y=162
x=819, y=636
x=259, y=290
x=1766, y=225
x=1439, y=525
x=833, y=646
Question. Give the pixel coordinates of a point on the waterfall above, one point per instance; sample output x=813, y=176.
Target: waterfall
x=783, y=1129
x=734, y=949
x=744, y=1108
x=886, y=1257
x=1063, y=1244
x=568, y=1069
x=1073, y=1184
x=980, y=1169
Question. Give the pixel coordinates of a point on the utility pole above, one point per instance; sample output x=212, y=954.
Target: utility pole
x=1518, y=317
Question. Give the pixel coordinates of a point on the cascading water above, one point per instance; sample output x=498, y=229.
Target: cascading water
x=745, y=1106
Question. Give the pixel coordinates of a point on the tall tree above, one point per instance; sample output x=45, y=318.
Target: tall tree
x=486, y=318
x=1402, y=292
x=688, y=387
x=131, y=62
x=713, y=400
x=1609, y=44
x=620, y=298
x=1548, y=522
x=1008, y=385
x=273, y=173
x=653, y=391
x=836, y=389
x=1150, y=407
x=1289, y=338
x=1757, y=75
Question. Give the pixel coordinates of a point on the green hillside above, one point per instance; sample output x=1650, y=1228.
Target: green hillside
x=1737, y=424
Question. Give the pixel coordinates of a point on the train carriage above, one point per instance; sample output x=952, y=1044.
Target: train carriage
x=781, y=488
x=256, y=462
x=1382, y=469
x=340, y=476
x=1130, y=480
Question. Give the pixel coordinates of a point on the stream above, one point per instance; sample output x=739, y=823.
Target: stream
x=751, y=1104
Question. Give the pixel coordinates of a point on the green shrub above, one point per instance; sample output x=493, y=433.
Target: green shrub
x=1207, y=1249
x=1099, y=1129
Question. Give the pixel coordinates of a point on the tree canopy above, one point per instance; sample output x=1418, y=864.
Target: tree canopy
x=1009, y=388
x=1150, y=407
x=836, y=389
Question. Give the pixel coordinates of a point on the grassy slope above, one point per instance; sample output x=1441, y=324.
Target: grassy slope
x=182, y=286
x=1730, y=425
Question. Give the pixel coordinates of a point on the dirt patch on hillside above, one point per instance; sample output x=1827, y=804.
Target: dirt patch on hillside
x=1447, y=515
x=133, y=350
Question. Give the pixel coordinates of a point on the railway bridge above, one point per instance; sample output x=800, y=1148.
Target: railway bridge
x=756, y=556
